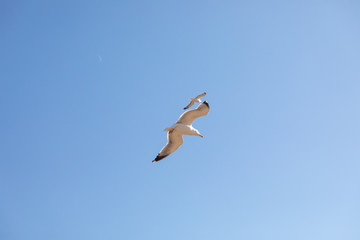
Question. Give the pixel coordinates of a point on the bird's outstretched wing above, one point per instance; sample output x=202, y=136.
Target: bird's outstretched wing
x=189, y=105
x=189, y=116
x=175, y=140
x=201, y=95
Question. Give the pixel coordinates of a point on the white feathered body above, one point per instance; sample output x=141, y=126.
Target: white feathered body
x=183, y=126
x=196, y=100
x=183, y=129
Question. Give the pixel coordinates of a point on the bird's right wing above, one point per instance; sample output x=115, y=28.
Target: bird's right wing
x=189, y=105
x=201, y=95
x=175, y=140
x=189, y=116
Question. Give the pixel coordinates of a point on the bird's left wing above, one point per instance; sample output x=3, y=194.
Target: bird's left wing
x=189, y=116
x=189, y=105
x=175, y=140
x=201, y=95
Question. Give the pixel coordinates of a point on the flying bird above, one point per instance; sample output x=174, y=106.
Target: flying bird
x=183, y=126
x=196, y=99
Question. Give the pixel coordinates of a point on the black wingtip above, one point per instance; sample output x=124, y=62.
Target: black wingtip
x=158, y=158
x=207, y=104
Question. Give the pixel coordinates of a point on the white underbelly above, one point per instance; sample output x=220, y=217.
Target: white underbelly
x=185, y=129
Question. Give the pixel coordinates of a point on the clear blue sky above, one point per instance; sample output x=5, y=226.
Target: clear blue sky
x=87, y=87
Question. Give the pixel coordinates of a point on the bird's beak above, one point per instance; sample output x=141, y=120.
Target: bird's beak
x=201, y=135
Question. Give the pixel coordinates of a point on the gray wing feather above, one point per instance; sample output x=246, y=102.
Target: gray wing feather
x=189, y=105
x=175, y=140
x=189, y=116
x=201, y=95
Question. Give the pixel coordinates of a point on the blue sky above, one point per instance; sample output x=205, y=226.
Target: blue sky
x=86, y=89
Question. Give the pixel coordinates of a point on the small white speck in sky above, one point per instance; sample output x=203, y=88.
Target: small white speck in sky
x=100, y=59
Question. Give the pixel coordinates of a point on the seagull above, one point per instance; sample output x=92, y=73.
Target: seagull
x=197, y=99
x=183, y=126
